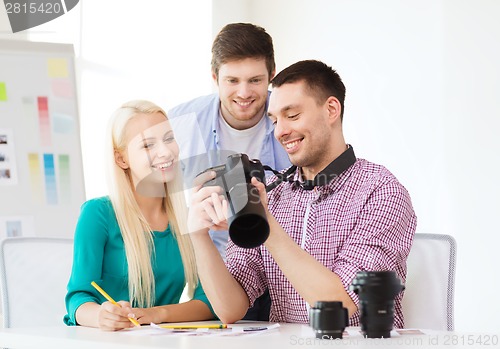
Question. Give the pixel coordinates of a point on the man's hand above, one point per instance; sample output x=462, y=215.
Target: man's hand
x=209, y=208
x=262, y=192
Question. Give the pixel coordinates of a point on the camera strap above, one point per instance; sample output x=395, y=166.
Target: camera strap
x=285, y=176
x=333, y=170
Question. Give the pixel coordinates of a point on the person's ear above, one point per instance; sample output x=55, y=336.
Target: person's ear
x=120, y=160
x=334, y=108
x=273, y=74
x=215, y=78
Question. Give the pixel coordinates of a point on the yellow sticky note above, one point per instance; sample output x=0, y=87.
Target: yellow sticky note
x=3, y=92
x=57, y=67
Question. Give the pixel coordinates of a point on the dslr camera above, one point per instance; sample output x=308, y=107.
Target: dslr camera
x=376, y=291
x=248, y=226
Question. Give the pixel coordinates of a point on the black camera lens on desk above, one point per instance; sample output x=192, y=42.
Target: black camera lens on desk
x=328, y=319
x=376, y=291
x=248, y=226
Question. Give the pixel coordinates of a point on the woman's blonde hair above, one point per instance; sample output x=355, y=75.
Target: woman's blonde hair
x=137, y=233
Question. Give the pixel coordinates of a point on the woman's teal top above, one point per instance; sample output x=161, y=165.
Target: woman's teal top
x=99, y=255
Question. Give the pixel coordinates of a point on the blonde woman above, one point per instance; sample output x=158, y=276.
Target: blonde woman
x=133, y=243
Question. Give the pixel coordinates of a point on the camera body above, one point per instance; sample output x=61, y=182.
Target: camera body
x=328, y=319
x=376, y=291
x=248, y=226
x=232, y=172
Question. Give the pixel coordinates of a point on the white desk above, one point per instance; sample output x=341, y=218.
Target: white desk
x=287, y=336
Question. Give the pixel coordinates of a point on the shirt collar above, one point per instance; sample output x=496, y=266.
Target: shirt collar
x=269, y=123
x=330, y=172
x=216, y=112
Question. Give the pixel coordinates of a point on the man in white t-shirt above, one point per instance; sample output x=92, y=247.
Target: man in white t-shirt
x=233, y=120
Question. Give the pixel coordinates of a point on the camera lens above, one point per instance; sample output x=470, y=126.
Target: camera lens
x=249, y=231
x=376, y=291
x=328, y=319
x=248, y=228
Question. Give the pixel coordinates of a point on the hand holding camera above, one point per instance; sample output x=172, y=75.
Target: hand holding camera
x=209, y=207
x=246, y=217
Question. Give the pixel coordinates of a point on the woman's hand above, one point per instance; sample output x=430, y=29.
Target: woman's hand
x=209, y=208
x=145, y=316
x=113, y=318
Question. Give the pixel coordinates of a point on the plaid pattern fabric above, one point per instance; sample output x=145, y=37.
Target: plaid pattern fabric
x=361, y=220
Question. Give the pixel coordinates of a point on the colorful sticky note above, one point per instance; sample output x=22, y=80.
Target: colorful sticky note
x=64, y=179
x=35, y=176
x=29, y=108
x=57, y=67
x=44, y=121
x=62, y=88
x=50, y=179
x=3, y=92
x=63, y=123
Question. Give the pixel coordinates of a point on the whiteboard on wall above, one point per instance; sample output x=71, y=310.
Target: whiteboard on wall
x=41, y=174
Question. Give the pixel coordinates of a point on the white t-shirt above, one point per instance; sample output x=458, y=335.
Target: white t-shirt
x=247, y=141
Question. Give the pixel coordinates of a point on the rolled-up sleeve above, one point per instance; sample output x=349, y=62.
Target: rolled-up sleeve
x=381, y=238
x=247, y=267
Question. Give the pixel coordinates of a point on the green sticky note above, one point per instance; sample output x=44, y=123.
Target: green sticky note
x=3, y=92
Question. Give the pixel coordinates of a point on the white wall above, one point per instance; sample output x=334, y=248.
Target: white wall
x=423, y=80
x=158, y=50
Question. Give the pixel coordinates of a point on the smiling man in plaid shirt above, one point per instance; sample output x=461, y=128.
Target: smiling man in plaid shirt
x=330, y=215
